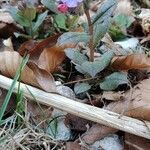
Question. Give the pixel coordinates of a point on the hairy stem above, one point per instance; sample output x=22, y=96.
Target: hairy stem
x=91, y=34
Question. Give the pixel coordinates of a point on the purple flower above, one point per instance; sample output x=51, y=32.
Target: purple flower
x=71, y=3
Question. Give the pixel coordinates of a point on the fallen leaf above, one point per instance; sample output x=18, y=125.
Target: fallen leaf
x=96, y=132
x=136, y=143
x=9, y=45
x=76, y=123
x=46, y=54
x=12, y=101
x=6, y=18
x=35, y=48
x=7, y=30
x=113, y=96
x=51, y=58
x=39, y=113
x=146, y=39
x=124, y=7
x=72, y=146
x=31, y=74
x=134, y=61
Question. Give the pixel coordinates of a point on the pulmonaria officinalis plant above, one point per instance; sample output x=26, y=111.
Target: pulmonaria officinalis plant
x=97, y=25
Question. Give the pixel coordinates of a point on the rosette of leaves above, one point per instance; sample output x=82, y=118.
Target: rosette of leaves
x=99, y=24
x=28, y=18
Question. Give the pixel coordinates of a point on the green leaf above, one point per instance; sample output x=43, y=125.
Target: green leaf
x=50, y=4
x=116, y=33
x=102, y=20
x=73, y=38
x=79, y=69
x=112, y=81
x=123, y=20
x=81, y=87
x=92, y=68
x=100, y=29
x=105, y=10
x=18, y=17
x=75, y=56
x=39, y=20
x=60, y=20
x=29, y=13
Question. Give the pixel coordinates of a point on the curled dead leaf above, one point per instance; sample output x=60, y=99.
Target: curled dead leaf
x=35, y=48
x=46, y=54
x=134, y=61
x=31, y=74
x=51, y=58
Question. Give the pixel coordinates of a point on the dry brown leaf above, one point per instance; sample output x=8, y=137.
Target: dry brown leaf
x=134, y=61
x=31, y=74
x=12, y=101
x=51, y=58
x=6, y=18
x=133, y=142
x=35, y=48
x=72, y=146
x=113, y=96
x=146, y=39
x=39, y=113
x=124, y=7
x=96, y=132
x=76, y=123
x=46, y=54
x=7, y=30
x=7, y=25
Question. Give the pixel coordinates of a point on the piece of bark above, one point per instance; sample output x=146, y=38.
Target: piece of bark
x=133, y=142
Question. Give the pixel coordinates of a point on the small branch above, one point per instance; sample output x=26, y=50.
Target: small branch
x=99, y=115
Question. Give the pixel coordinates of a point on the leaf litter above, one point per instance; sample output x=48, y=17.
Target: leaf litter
x=111, y=81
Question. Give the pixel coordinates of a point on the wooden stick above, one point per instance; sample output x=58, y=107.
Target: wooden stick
x=92, y=113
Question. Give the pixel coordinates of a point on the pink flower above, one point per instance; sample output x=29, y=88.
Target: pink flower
x=63, y=8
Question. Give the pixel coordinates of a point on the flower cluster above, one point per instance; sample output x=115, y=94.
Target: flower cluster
x=64, y=5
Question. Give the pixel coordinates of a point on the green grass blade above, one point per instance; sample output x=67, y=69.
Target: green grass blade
x=7, y=98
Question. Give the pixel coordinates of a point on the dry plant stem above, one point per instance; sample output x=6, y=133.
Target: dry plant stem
x=81, y=80
x=91, y=35
x=101, y=116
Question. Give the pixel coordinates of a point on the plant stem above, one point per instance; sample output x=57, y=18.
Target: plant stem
x=91, y=34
